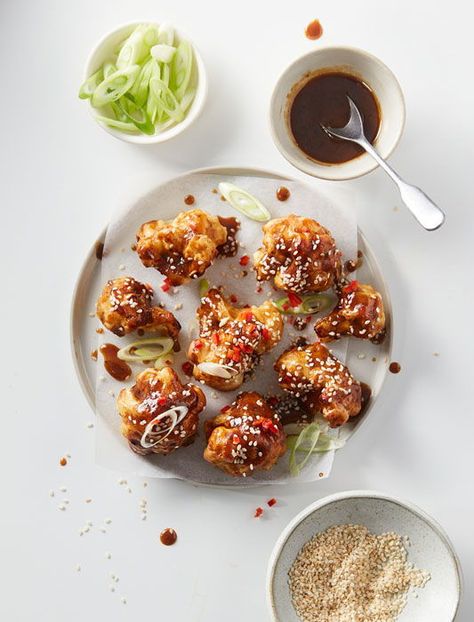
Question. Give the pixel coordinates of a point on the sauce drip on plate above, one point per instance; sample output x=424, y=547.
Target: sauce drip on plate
x=282, y=194
x=394, y=367
x=314, y=30
x=230, y=247
x=322, y=100
x=115, y=367
x=168, y=536
x=352, y=264
x=189, y=199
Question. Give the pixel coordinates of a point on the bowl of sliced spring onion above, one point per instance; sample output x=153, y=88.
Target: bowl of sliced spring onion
x=144, y=82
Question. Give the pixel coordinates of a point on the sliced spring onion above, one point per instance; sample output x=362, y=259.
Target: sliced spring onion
x=307, y=437
x=311, y=303
x=140, y=89
x=115, y=86
x=310, y=440
x=166, y=34
x=88, y=87
x=244, y=202
x=109, y=69
x=146, y=349
x=176, y=414
x=136, y=48
x=137, y=115
x=116, y=124
x=167, y=102
x=182, y=68
x=163, y=53
x=215, y=369
x=164, y=361
x=204, y=286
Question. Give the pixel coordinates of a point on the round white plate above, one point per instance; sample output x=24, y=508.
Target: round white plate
x=367, y=362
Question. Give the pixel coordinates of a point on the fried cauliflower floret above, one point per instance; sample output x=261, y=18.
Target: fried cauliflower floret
x=299, y=254
x=312, y=371
x=157, y=392
x=126, y=305
x=359, y=312
x=232, y=340
x=184, y=248
x=246, y=437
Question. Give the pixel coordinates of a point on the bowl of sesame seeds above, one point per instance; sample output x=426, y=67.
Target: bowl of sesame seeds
x=363, y=556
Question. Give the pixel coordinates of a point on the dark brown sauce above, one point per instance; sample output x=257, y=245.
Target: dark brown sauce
x=99, y=250
x=230, y=247
x=366, y=393
x=352, y=264
x=168, y=536
x=114, y=366
x=314, y=30
x=140, y=332
x=189, y=199
x=94, y=355
x=283, y=194
x=394, y=367
x=322, y=100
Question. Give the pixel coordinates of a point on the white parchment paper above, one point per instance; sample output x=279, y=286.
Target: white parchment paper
x=119, y=260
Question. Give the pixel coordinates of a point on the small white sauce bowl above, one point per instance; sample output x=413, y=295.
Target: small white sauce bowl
x=107, y=47
x=429, y=549
x=360, y=64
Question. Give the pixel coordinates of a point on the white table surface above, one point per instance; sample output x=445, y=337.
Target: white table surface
x=61, y=177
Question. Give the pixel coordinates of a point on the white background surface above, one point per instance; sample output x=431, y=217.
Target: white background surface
x=61, y=177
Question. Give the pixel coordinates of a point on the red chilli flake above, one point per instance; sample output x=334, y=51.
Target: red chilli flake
x=198, y=345
x=351, y=287
x=162, y=400
x=294, y=300
x=216, y=338
x=265, y=333
x=248, y=317
x=271, y=502
x=258, y=512
x=244, y=260
x=235, y=439
x=187, y=367
x=233, y=299
x=166, y=285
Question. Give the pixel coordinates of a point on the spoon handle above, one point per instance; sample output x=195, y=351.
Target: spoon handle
x=427, y=213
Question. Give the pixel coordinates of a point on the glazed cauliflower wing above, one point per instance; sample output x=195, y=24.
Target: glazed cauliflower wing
x=232, y=337
x=246, y=437
x=156, y=392
x=125, y=305
x=184, y=248
x=359, y=312
x=300, y=255
x=329, y=387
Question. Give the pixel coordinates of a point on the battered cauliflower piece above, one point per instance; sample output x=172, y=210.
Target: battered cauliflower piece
x=246, y=437
x=232, y=340
x=184, y=248
x=159, y=414
x=359, y=313
x=300, y=255
x=312, y=372
x=125, y=305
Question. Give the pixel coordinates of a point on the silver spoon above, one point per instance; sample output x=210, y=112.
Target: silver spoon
x=420, y=205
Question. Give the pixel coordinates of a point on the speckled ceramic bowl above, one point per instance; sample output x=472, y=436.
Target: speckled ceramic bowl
x=429, y=550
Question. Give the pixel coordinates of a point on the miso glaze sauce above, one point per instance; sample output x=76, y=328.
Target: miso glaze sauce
x=322, y=100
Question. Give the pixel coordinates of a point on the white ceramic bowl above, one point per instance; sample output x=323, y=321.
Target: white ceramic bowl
x=107, y=46
x=430, y=550
x=360, y=64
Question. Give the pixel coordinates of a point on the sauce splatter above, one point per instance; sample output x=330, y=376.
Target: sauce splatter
x=99, y=250
x=168, y=536
x=63, y=462
x=99, y=330
x=366, y=393
x=283, y=194
x=115, y=367
x=230, y=246
x=189, y=199
x=314, y=30
x=94, y=355
x=351, y=265
x=394, y=367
